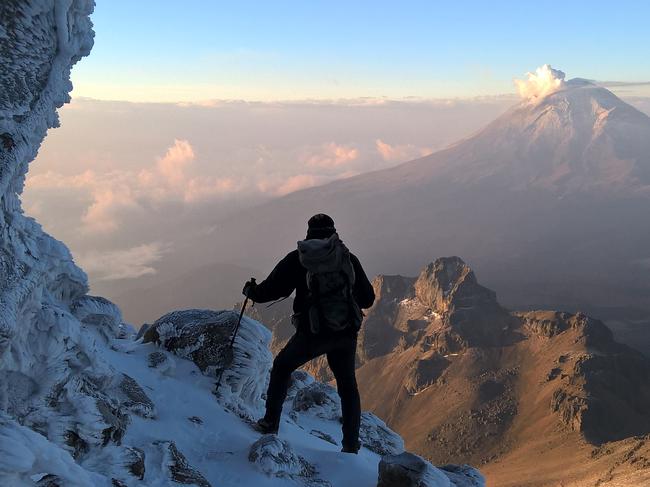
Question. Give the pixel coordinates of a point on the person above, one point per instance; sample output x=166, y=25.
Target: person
x=331, y=289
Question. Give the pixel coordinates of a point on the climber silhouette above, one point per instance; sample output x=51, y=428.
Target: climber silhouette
x=331, y=288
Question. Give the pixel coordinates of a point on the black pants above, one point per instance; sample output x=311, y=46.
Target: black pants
x=340, y=348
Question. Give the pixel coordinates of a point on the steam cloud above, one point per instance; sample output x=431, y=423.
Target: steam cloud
x=544, y=81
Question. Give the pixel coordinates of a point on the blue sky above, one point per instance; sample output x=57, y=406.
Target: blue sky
x=164, y=50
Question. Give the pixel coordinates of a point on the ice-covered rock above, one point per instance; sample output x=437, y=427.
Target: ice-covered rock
x=318, y=399
x=377, y=437
x=409, y=470
x=275, y=457
x=204, y=336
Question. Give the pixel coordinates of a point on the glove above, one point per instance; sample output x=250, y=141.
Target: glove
x=249, y=288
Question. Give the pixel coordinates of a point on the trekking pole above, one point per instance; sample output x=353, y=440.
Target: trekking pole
x=234, y=335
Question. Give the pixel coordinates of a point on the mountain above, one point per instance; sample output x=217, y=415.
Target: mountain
x=536, y=397
x=144, y=299
x=548, y=203
x=85, y=403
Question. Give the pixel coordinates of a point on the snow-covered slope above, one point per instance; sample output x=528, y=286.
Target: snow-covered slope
x=152, y=418
x=82, y=403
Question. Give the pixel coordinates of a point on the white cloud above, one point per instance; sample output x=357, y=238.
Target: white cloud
x=544, y=81
x=122, y=264
x=400, y=153
x=172, y=178
x=332, y=155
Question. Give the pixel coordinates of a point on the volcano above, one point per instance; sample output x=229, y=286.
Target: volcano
x=549, y=203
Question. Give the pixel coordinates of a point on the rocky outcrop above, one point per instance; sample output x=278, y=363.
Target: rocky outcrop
x=275, y=457
x=377, y=437
x=409, y=470
x=318, y=399
x=379, y=335
x=602, y=390
x=476, y=375
x=204, y=336
x=470, y=314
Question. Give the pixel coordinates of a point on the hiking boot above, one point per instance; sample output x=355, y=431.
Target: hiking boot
x=265, y=427
x=351, y=449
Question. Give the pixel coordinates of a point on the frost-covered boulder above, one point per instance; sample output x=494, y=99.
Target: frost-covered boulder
x=275, y=457
x=299, y=380
x=134, y=398
x=317, y=399
x=409, y=470
x=377, y=437
x=99, y=312
x=204, y=336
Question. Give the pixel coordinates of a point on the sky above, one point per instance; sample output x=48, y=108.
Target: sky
x=195, y=50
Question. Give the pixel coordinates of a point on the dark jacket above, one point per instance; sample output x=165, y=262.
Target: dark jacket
x=289, y=275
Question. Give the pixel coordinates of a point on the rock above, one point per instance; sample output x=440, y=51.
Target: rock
x=470, y=313
x=409, y=470
x=378, y=335
x=179, y=469
x=201, y=335
x=135, y=399
x=463, y=475
x=425, y=371
x=377, y=437
x=100, y=313
x=50, y=480
x=275, y=458
x=155, y=359
x=77, y=446
x=323, y=436
x=204, y=336
x=126, y=331
x=143, y=329
x=116, y=420
x=604, y=394
x=318, y=399
x=134, y=462
x=299, y=380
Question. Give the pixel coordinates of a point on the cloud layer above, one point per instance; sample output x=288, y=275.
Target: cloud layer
x=117, y=176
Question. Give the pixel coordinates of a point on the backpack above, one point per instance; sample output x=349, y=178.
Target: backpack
x=330, y=281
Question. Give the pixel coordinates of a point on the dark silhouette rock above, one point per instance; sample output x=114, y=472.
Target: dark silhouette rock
x=179, y=469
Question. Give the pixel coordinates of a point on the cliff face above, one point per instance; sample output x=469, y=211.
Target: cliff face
x=39, y=43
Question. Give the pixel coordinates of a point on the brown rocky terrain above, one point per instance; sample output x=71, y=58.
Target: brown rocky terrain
x=537, y=398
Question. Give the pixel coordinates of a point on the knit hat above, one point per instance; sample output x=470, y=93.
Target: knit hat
x=320, y=226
